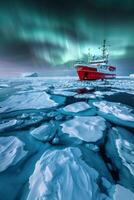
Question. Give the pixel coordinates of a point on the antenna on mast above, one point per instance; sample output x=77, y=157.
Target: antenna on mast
x=104, y=49
x=89, y=55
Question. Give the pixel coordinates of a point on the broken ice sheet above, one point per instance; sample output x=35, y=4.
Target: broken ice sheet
x=108, y=154
x=7, y=124
x=64, y=92
x=11, y=151
x=120, y=150
x=76, y=107
x=115, y=112
x=45, y=132
x=62, y=173
x=122, y=193
x=36, y=100
x=89, y=129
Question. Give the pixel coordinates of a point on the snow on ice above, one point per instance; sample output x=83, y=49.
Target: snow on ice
x=89, y=129
x=45, y=132
x=61, y=174
x=122, y=193
x=11, y=152
x=116, y=112
x=8, y=124
x=36, y=100
x=76, y=107
x=120, y=149
x=64, y=92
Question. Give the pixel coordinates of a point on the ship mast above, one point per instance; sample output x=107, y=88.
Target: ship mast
x=103, y=58
x=89, y=55
x=104, y=51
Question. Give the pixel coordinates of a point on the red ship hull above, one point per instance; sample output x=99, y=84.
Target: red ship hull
x=89, y=73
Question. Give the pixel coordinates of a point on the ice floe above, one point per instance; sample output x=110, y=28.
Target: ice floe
x=36, y=100
x=94, y=159
x=2, y=85
x=52, y=114
x=126, y=84
x=85, y=96
x=11, y=151
x=7, y=124
x=120, y=149
x=20, y=121
x=122, y=193
x=116, y=112
x=76, y=107
x=62, y=174
x=104, y=93
x=30, y=120
x=64, y=92
x=89, y=129
x=45, y=132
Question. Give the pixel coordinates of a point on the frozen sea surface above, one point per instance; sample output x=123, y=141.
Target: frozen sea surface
x=63, y=139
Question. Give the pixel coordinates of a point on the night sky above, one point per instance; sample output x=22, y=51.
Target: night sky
x=41, y=36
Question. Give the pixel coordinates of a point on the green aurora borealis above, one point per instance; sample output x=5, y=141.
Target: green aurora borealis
x=52, y=34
